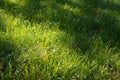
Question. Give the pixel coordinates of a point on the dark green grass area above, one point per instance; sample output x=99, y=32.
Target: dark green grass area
x=60, y=39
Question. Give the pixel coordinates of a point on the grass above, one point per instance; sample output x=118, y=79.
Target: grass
x=59, y=39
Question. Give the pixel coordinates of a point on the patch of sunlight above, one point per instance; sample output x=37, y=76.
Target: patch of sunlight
x=37, y=41
x=75, y=1
x=115, y=2
x=75, y=10
x=17, y=2
x=67, y=7
x=13, y=1
x=109, y=12
x=9, y=20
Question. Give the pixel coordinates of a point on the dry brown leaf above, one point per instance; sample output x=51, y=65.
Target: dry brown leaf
x=45, y=56
x=1, y=65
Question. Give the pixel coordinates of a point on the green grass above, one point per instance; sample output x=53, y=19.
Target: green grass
x=60, y=39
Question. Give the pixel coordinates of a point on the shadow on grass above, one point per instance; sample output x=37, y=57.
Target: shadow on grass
x=7, y=46
x=2, y=25
x=85, y=19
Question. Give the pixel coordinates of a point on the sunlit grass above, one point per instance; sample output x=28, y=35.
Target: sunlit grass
x=48, y=42
x=19, y=3
x=13, y=1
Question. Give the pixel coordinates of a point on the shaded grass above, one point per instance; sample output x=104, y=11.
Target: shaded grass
x=59, y=39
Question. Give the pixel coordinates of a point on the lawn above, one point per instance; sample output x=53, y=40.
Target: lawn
x=59, y=39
